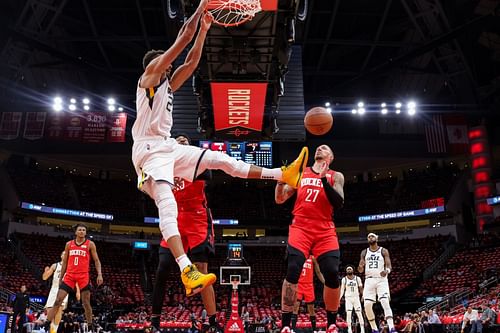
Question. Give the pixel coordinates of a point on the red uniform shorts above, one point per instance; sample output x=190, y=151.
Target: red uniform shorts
x=69, y=282
x=305, y=291
x=312, y=236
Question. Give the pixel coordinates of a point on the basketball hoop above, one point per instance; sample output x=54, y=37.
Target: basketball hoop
x=235, y=284
x=230, y=13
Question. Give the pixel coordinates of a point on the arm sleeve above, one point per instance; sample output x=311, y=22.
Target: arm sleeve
x=333, y=197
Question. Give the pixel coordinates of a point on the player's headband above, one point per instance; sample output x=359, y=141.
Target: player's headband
x=372, y=234
x=349, y=267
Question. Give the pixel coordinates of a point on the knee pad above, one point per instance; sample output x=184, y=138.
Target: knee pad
x=213, y=160
x=295, y=264
x=369, y=310
x=386, y=306
x=329, y=266
x=167, y=209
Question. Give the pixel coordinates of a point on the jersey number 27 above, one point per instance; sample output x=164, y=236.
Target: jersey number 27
x=312, y=195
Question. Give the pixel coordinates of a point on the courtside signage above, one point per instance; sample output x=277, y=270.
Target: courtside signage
x=65, y=211
x=397, y=215
x=493, y=201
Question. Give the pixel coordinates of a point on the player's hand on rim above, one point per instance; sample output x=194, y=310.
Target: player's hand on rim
x=206, y=21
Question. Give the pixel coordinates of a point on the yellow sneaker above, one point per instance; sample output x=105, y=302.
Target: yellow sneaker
x=292, y=173
x=194, y=281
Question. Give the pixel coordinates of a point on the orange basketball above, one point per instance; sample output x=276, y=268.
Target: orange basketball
x=318, y=120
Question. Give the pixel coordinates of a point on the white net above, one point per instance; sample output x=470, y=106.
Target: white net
x=234, y=12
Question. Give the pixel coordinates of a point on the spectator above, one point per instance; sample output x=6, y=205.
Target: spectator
x=21, y=303
x=488, y=317
x=471, y=317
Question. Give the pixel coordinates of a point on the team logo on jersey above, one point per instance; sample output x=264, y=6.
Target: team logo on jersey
x=84, y=246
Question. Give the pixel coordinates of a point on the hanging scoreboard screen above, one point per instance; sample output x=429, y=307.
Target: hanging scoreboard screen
x=235, y=251
x=256, y=153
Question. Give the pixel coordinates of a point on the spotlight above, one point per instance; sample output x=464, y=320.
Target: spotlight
x=120, y=109
x=411, y=105
x=361, y=104
x=398, y=105
x=384, y=111
x=354, y=111
x=86, y=100
x=329, y=110
x=111, y=101
x=73, y=101
x=411, y=112
x=383, y=105
x=58, y=100
x=86, y=107
x=111, y=107
x=361, y=111
x=327, y=104
x=398, y=111
x=57, y=107
x=72, y=107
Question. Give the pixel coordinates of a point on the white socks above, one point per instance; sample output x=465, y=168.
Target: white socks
x=183, y=261
x=274, y=174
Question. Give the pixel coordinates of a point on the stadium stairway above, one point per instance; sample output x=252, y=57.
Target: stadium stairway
x=15, y=245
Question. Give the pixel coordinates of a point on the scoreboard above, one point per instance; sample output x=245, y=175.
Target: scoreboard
x=256, y=153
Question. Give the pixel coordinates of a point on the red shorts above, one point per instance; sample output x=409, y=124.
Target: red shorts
x=69, y=281
x=312, y=236
x=196, y=230
x=305, y=292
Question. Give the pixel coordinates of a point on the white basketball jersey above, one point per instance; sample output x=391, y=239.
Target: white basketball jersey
x=56, y=276
x=374, y=262
x=352, y=286
x=154, y=111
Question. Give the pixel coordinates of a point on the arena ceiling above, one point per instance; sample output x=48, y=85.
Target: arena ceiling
x=440, y=51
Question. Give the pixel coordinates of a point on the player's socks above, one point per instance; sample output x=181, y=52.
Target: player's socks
x=286, y=318
x=53, y=328
x=212, y=321
x=313, y=322
x=271, y=173
x=331, y=318
x=183, y=261
x=294, y=321
x=390, y=323
x=373, y=325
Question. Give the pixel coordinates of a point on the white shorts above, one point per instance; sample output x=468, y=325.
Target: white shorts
x=352, y=303
x=52, y=299
x=376, y=288
x=163, y=159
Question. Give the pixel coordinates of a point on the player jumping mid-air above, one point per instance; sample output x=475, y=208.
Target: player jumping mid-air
x=158, y=158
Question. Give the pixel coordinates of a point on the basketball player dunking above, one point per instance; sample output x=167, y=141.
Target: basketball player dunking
x=312, y=231
x=158, y=158
x=305, y=291
x=55, y=271
x=197, y=234
x=352, y=287
x=376, y=264
x=75, y=270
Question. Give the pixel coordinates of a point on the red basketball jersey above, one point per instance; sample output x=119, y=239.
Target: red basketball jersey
x=190, y=196
x=312, y=201
x=306, y=277
x=79, y=258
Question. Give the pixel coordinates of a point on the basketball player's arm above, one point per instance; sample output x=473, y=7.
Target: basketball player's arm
x=283, y=192
x=48, y=271
x=335, y=193
x=342, y=288
x=64, y=262
x=361, y=266
x=97, y=262
x=387, y=262
x=160, y=65
x=360, y=287
x=317, y=270
x=193, y=58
